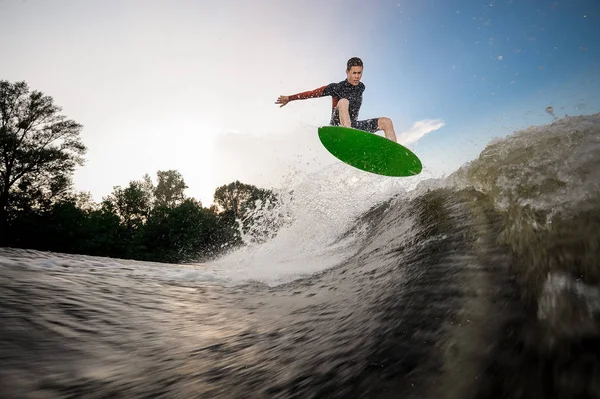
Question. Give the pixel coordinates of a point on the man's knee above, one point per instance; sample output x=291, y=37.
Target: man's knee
x=384, y=123
x=343, y=104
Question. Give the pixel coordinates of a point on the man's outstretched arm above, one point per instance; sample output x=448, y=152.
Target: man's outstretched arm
x=320, y=92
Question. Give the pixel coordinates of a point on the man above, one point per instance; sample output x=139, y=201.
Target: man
x=346, y=101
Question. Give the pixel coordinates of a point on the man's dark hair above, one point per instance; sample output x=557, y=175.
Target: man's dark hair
x=354, y=61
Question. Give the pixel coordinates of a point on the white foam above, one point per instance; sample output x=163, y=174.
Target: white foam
x=321, y=207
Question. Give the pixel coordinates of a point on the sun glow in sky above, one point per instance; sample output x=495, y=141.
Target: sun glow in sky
x=190, y=85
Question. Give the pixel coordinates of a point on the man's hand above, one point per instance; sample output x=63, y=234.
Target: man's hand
x=283, y=100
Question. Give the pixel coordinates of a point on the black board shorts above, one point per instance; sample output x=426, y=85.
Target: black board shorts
x=368, y=125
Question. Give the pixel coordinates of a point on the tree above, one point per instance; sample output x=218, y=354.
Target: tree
x=39, y=147
x=132, y=204
x=184, y=232
x=169, y=191
x=84, y=201
x=239, y=198
x=251, y=208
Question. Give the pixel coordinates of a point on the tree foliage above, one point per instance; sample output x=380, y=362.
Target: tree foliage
x=132, y=204
x=124, y=225
x=241, y=198
x=169, y=191
x=39, y=150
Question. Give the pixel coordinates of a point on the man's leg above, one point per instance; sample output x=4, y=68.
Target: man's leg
x=387, y=126
x=384, y=123
x=342, y=107
x=376, y=124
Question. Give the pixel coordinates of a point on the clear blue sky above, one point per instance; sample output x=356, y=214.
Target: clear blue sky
x=190, y=85
x=485, y=68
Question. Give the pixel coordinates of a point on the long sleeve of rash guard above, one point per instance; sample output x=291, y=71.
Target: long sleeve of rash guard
x=320, y=92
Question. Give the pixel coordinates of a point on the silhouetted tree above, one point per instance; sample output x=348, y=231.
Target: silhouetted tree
x=239, y=198
x=169, y=191
x=133, y=203
x=39, y=147
x=183, y=232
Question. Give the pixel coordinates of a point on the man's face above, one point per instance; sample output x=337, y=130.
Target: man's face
x=354, y=74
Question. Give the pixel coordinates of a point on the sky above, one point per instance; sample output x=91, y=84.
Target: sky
x=191, y=84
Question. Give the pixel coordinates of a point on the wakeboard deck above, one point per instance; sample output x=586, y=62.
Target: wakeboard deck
x=369, y=152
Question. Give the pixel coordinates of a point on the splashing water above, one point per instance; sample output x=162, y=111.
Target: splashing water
x=313, y=211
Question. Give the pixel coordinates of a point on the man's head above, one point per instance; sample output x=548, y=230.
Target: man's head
x=354, y=69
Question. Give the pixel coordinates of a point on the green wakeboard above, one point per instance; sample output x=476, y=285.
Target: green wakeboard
x=369, y=152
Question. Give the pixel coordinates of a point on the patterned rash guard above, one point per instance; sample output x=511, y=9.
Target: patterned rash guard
x=338, y=91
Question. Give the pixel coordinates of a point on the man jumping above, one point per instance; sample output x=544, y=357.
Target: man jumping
x=346, y=99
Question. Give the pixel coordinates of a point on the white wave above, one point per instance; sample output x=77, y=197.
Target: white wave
x=321, y=206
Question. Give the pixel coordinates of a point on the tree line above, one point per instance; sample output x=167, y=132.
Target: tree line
x=39, y=209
